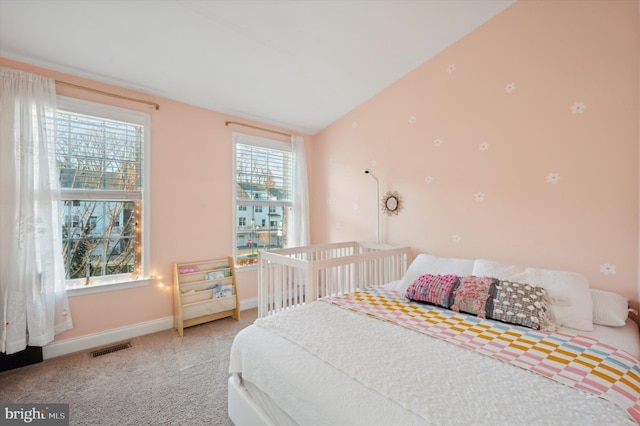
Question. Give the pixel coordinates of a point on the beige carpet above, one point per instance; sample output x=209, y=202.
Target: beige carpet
x=162, y=379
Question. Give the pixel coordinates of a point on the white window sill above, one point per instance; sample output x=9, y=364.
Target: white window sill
x=247, y=268
x=100, y=287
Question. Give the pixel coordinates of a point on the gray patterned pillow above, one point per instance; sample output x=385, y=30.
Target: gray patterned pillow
x=522, y=304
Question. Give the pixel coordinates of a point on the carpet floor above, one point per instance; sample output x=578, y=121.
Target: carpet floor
x=163, y=379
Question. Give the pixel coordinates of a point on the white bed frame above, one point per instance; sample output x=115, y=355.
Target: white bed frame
x=242, y=409
x=292, y=276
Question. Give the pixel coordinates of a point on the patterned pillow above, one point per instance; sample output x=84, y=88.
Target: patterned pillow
x=485, y=297
x=434, y=289
x=522, y=304
x=472, y=295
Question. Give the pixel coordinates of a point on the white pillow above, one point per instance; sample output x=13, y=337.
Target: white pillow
x=501, y=271
x=609, y=308
x=571, y=302
x=427, y=264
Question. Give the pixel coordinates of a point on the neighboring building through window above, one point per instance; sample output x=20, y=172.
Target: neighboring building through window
x=264, y=177
x=101, y=153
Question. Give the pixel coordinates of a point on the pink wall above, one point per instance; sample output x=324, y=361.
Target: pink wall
x=501, y=200
x=556, y=53
x=190, y=204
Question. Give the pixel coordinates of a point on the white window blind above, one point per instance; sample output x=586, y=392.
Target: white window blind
x=264, y=174
x=101, y=155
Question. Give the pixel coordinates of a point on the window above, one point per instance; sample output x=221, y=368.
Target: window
x=102, y=155
x=264, y=181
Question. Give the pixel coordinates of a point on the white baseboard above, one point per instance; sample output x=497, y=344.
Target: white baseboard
x=248, y=303
x=102, y=338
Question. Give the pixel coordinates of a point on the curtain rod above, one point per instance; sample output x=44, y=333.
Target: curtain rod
x=113, y=95
x=226, y=123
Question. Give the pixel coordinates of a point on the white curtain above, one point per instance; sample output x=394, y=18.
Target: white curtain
x=299, y=225
x=33, y=301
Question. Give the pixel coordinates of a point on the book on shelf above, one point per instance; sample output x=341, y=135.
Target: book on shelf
x=188, y=269
x=222, y=291
x=214, y=286
x=212, y=275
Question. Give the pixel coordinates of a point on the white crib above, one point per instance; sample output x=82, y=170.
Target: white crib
x=289, y=277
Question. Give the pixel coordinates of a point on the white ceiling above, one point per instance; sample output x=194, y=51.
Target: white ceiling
x=296, y=64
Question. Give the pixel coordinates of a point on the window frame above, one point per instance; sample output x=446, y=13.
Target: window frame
x=287, y=205
x=115, y=282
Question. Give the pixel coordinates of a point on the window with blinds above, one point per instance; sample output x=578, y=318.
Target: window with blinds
x=100, y=153
x=263, y=191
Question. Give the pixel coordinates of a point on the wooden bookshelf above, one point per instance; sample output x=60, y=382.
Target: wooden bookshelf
x=204, y=291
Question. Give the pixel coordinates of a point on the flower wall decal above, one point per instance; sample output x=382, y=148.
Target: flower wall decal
x=553, y=178
x=456, y=239
x=354, y=124
x=510, y=88
x=451, y=68
x=412, y=119
x=479, y=196
x=608, y=269
x=578, y=108
x=429, y=179
x=437, y=142
x=483, y=146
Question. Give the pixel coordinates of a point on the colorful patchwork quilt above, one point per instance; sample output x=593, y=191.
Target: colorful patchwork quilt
x=578, y=361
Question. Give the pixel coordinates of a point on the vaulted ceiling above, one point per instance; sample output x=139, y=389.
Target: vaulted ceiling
x=296, y=64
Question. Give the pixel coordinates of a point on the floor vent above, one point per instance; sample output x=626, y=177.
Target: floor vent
x=110, y=349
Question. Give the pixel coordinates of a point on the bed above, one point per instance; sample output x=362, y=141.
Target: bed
x=344, y=359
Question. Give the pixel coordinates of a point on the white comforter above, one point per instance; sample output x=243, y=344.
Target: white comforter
x=349, y=369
